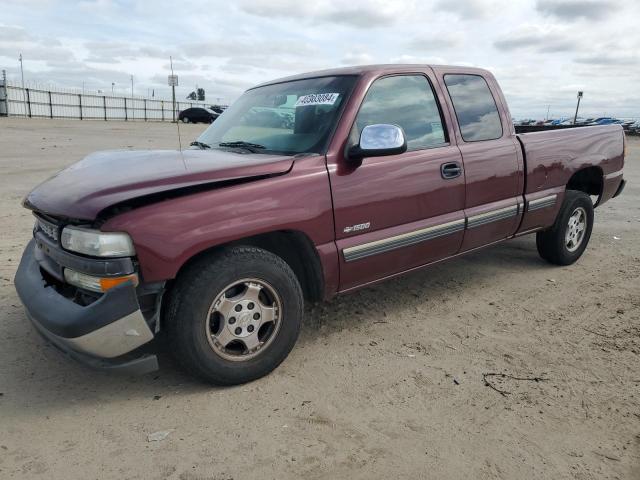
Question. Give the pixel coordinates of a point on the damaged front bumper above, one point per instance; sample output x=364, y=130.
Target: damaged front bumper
x=105, y=334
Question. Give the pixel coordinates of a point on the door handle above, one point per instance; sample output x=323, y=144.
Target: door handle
x=450, y=170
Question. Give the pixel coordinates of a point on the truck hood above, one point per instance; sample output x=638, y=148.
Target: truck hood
x=104, y=179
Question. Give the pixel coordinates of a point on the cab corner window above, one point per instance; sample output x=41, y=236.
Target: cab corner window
x=407, y=101
x=475, y=107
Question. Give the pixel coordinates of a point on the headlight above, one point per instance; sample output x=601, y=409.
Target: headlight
x=96, y=243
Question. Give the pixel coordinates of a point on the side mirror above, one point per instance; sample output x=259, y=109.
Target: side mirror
x=379, y=140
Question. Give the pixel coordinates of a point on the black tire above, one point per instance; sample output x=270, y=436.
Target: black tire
x=194, y=293
x=185, y=119
x=551, y=243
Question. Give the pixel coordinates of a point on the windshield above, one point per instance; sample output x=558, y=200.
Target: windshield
x=290, y=118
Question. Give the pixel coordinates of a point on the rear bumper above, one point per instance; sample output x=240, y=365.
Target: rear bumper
x=613, y=183
x=101, y=335
x=623, y=183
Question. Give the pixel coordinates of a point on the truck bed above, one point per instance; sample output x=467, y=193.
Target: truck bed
x=540, y=128
x=553, y=155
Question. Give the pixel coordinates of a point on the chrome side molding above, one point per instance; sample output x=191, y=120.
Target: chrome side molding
x=492, y=216
x=611, y=175
x=403, y=240
x=417, y=236
x=540, y=203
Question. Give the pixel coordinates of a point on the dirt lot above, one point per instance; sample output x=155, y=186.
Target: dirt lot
x=384, y=383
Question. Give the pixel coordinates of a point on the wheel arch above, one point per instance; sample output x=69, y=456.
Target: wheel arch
x=293, y=246
x=589, y=180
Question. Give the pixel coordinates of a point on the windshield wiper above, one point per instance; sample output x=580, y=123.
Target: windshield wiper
x=252, y=147
x=202, y=145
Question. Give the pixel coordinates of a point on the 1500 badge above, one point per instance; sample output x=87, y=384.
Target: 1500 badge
x=356, y=228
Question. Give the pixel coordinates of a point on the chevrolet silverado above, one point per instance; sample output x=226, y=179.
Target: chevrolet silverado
x=306, y=187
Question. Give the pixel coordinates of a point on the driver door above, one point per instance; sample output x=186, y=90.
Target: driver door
x=398, y=212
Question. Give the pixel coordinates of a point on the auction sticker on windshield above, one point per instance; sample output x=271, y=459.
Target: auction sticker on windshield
x=317, y=99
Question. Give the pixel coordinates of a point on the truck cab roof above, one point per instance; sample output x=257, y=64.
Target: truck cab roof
x=377, y=70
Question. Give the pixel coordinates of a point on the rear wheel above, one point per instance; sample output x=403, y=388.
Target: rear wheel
x=236, y=316
x=185, y=120
x=566, y=241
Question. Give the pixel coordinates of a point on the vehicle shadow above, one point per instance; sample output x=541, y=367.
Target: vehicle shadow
x=50, y=381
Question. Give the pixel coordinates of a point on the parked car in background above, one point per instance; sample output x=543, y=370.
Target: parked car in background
x=198, y=115
x=217, y=109
x=307, y=187
x=606, y=121
x=629, y=125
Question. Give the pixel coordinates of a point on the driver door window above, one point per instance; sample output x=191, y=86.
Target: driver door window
x=409, y=102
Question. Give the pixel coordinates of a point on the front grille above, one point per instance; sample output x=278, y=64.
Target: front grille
x=51, y=230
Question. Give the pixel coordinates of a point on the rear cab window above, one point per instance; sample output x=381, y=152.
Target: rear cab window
x=407, y=101
x=475, y=107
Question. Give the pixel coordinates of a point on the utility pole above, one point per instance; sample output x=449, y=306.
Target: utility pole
x=575, y=117
x=548, y=107
x=24, y=92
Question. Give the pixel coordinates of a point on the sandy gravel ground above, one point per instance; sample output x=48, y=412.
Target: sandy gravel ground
x=384, y=383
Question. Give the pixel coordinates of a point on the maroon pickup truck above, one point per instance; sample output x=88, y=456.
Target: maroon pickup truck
x=306, y=187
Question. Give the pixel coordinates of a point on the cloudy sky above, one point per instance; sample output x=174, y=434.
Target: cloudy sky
x=542, y=52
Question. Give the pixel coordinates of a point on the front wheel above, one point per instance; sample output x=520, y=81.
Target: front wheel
x=235, y=317
x=566, y=241
x=185, y=120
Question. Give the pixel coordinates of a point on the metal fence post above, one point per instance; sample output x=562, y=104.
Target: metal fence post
x=145, y=109
x=80, y=104
x=162, y=108
x=28, y=103
x=50, y=105
x=4, y=103
x=104, y=106
x=126, y=115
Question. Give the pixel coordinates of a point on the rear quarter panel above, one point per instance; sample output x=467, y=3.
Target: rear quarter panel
x=553, y=156
x=167, y=234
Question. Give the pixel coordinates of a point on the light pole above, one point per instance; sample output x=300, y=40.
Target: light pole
x=21, y=71
x=575, y=117
x=112, y=85
x=173, y=89
x=131, y=86
x=24, y=92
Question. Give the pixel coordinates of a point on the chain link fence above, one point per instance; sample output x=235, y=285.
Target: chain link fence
x=41, y=103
